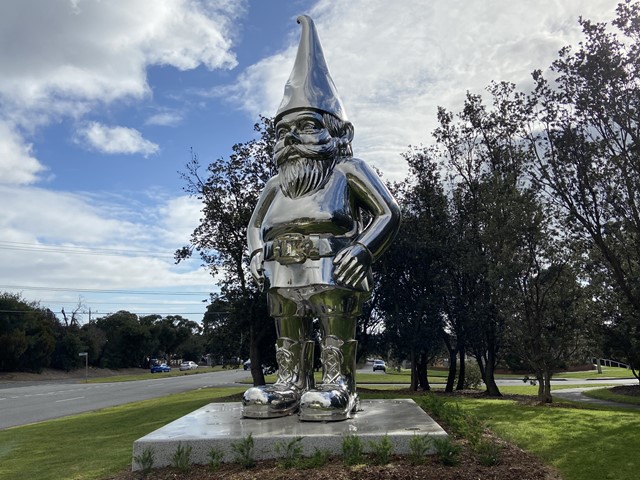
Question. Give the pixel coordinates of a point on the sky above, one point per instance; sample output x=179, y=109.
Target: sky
x=101, y=103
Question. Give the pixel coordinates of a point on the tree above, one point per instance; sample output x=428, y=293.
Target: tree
x=409, y=279
x=27, y=337
x=127, y=340
x=229, y=193
x=586, y=138
x=486, y=160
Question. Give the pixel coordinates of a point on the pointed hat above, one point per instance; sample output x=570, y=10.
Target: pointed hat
x=310, y=84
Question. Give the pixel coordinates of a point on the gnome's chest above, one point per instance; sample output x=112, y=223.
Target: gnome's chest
x=329, y=210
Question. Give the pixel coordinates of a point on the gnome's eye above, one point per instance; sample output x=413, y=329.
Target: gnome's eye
x=281, y=132
x=308, y=127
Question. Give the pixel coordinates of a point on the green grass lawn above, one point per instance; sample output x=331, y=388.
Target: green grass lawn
x=580, y=443
x=606, y=394
x=583, y=443
x=607, y=372
x=91, y=445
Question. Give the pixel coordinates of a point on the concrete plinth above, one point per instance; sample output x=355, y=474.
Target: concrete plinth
x=219, y=425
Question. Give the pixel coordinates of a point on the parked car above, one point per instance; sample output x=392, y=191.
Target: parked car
x=379, y=365
x=266, y=370
x=188, y=365
x=163, y=367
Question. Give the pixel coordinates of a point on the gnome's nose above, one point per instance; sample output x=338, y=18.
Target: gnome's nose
x=291, y=138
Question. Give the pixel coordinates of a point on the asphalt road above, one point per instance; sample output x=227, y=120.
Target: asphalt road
x=22, y=404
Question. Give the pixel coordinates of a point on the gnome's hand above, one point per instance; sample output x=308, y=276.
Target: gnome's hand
x=352, y=265
x=256, y=269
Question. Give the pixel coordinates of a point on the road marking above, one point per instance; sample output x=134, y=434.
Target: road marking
x=68, y=399
x=2, y=398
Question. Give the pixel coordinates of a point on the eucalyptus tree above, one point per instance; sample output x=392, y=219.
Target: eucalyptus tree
x=229, y=190
x=586, y=138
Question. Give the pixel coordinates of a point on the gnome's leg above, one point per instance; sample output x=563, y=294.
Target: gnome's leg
x=336, y=398
x=294, y=355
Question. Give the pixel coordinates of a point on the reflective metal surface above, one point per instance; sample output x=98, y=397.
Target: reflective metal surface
x=318, y=226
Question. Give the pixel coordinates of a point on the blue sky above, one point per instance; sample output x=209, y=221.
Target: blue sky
x=101, y=102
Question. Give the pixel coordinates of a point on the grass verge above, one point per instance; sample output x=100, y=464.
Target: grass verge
x=581, y=442
x=607, y=372
x=606, y=394
x=91, y=445
x=175, y=372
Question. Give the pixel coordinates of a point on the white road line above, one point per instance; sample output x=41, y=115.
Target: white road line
x=2, y=398
x=68, y=399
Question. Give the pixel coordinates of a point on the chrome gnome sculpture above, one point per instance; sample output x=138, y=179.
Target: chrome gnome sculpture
x=318, y=226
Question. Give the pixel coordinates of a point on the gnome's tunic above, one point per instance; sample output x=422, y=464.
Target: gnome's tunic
x=300, y=236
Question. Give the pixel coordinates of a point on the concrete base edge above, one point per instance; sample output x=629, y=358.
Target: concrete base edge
x=220, y=425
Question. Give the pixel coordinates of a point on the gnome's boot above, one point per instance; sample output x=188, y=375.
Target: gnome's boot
x=336, y=398
x=295, y=376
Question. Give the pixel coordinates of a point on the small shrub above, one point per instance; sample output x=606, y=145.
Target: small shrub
x=319, y=459
x=381, y=450
x=471, y=429
x=181, y=458
x=351, y=450
x=488, y=452
x=290, y=452
x=146, y=460
x=419, y=447
x=243, y=450
x=448, y=452
x=472, y=375
x=215, y=458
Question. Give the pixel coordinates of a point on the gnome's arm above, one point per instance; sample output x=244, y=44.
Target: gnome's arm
x=352, y=263
x=254, y=229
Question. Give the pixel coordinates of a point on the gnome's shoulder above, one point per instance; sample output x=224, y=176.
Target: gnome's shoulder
x=353, y=166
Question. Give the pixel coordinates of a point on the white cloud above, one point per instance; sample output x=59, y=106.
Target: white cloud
x=63, y=58
x=395, y=62
x=99, y=50
x=164, y=119
x=179, y=217
x=17, y=163
x=115, y=139
x=98, y=226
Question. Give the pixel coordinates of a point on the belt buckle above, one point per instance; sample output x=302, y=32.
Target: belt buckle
x=294, y=248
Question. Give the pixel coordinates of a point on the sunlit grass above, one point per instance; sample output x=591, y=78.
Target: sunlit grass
x=581, y=443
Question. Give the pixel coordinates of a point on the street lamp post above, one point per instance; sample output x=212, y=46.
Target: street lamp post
x=86, y=365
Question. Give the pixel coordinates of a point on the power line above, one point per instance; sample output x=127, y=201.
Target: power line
x=98, y=290
x=77, y=250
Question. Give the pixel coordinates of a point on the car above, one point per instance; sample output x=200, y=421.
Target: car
x=379, y=365
x=188, y=365
x=266, y=370
x=163, y=367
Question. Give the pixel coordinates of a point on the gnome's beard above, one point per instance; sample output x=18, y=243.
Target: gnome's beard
x=303, y=168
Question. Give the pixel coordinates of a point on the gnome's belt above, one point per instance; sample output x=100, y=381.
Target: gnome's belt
x=297, y=248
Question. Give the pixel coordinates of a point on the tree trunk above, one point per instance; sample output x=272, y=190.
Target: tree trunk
x=421, y=373
x=256, y=362
x=414, y=373
x=490, y=381
x=451, y=378
x=460, y=385
x=545, y=388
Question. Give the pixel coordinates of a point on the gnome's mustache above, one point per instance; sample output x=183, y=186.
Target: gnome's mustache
x=312, y=152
